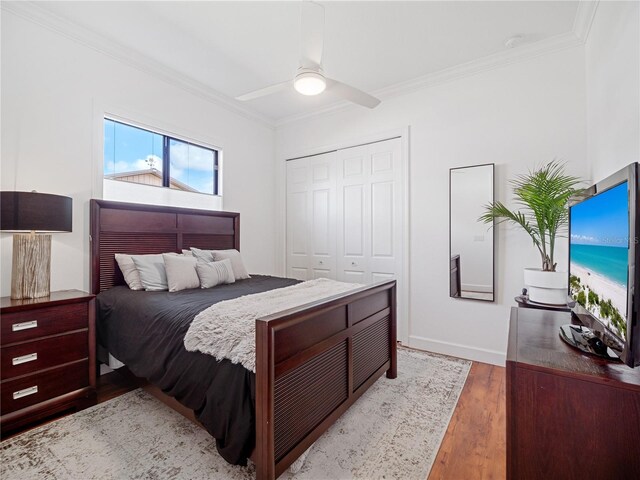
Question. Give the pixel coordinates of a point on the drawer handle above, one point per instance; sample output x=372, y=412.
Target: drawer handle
x=16, y=327
x=26, y=392
x=24, y=359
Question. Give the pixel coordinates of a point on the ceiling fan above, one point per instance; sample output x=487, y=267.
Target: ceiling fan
x=310, y=78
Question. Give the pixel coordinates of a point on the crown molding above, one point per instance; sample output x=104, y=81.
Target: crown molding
x=584, y=18
x=108, y=46
x=31, y=11
x=473, y=67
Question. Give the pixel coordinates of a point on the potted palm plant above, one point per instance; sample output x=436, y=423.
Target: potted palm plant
x=541, y=197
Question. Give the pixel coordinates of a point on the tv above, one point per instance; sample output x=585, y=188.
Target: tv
x=603, y=279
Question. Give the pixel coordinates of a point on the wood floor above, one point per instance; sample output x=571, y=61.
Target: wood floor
x=474, y=446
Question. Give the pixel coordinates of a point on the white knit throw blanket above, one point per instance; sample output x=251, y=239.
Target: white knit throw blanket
x=228, y=329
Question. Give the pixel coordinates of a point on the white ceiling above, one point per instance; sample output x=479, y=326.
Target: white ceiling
x=236, y=47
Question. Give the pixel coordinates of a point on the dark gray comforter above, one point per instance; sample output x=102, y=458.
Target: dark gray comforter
x=145, y=330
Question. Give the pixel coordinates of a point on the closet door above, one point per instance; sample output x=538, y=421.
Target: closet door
x=369, y=220
x=298, y=245
x=311, y=211
x=322, y=200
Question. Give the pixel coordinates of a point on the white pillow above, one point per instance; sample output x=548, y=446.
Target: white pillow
x=239, y=270
x=187, y=253
x=129, y=271
x=215, y=273
x=181, y=272
x=152, y=272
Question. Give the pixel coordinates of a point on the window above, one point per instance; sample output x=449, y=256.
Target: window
x=133, y=154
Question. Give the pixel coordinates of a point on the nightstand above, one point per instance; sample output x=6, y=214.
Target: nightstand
x=48, y=356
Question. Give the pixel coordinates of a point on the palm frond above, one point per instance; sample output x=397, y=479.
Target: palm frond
x=542, y=198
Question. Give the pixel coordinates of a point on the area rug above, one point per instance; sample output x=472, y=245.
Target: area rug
x=393, y=431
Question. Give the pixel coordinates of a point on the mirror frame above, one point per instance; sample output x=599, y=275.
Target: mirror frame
x=492, y=227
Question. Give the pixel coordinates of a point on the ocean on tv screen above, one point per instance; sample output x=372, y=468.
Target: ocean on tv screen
x=599, y=256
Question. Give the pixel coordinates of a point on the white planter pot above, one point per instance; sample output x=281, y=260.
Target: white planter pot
x=546, y=287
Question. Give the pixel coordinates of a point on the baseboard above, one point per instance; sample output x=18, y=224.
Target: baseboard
x=483, y=355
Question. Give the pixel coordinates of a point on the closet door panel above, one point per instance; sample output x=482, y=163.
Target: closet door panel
x=297, y=219
x=323, y=215
x=301, y=274
x=382, y=226
x=354, y=276
x=320, y=223
x=381, y=276
x=311, y=230
x=385, y=256
x=353, y=221
x=298, y=252
x=320, y=273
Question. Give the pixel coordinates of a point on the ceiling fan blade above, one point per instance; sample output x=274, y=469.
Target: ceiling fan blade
x=311, y=35
x=263, y=92
x=352, y=94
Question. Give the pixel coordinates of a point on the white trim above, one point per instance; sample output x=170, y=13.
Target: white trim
x=584, y=18
x=39, y=15
x=484, y=355
x=281, y=159
x=473, y=67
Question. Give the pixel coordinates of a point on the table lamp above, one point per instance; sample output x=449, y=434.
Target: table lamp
x=32, y=212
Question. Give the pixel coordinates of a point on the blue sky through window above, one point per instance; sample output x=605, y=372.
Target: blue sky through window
x=130, y=149
x=602, y=220
x=127, y=149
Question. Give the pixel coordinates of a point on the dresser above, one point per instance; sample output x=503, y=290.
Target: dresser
x=570, y=415
x=47, y=356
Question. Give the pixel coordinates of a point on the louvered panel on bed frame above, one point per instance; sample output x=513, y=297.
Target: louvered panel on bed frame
x=298, y=407
x=370, y=350
x=312, y=362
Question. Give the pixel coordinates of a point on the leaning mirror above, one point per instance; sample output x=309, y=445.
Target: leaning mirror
x=471, y=244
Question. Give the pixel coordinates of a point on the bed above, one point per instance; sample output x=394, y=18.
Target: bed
x=312, y=362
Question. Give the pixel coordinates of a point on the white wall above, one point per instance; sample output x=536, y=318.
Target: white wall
x=517, y=117
x=54, y=91
x=612, y=54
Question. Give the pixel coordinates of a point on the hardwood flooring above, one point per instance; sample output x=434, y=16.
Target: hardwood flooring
x=473, y=448
x=116, y=383
x=475, y=445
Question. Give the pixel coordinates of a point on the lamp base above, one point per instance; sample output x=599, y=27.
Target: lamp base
x=31, y=266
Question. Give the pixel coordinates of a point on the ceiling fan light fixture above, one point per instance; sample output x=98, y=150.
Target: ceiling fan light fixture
x=310, y=83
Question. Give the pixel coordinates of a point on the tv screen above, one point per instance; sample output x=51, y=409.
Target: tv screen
x=599, y=257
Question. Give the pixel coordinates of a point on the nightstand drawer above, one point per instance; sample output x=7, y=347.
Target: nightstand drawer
x=31, y=389
x=40, y=322
x=33, y=356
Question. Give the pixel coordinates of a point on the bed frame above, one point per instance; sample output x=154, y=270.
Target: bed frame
x=312, y=362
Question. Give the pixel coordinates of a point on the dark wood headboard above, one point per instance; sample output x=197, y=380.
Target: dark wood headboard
x=136, y=229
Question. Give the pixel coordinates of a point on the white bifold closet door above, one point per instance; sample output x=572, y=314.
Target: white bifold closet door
x=344, y=214
x=311, y=221
x=369, y=215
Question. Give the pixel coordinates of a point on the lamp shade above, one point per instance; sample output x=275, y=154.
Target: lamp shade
x=33, y=211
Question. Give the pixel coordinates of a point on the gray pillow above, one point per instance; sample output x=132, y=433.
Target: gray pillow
x=181, y=272
x=239, y=270
x=215, y=273
x=152, y=272
x=205, y=256
x=129, y=271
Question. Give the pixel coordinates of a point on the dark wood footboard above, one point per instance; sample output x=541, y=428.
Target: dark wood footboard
x=313, y=363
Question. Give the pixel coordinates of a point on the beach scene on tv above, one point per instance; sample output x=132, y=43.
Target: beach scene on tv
x=599, y=257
